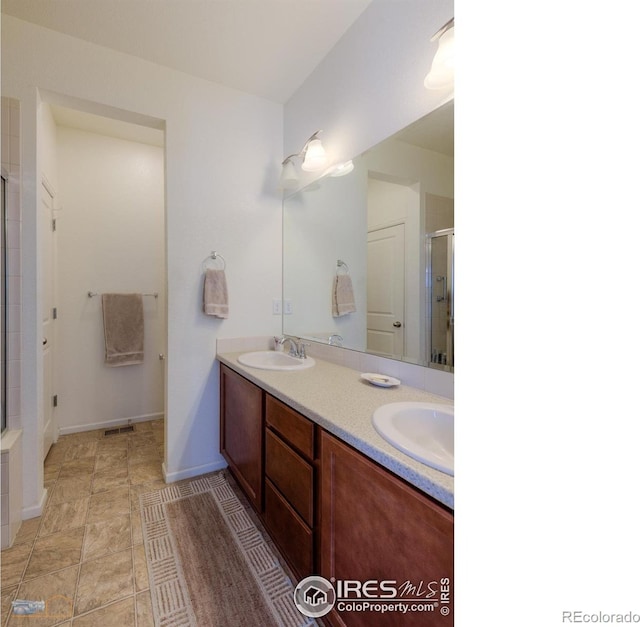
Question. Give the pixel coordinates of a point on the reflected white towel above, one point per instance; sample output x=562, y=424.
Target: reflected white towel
x=215, y=296
x=343, y=299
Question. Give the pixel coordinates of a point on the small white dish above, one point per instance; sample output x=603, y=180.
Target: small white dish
x=381, y=380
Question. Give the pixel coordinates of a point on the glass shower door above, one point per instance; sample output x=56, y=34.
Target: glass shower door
x=440, y=276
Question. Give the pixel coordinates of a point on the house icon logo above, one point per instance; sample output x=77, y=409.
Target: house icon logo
x=314, y=596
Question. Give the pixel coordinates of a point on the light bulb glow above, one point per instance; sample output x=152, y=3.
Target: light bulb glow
x=441, y=74
x=315, y=157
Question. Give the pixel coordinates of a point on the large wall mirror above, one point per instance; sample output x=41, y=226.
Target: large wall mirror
x=382, y=236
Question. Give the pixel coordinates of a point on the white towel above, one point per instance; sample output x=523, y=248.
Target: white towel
x=123, y=318
x=215, y=296
x=343, y=300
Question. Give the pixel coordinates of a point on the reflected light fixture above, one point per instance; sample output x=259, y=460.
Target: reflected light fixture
x=341, y=169
x=441, y=73
x=313, y=156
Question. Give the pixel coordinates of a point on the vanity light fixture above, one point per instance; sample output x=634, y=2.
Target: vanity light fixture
x=313, y=156
x=441, y=73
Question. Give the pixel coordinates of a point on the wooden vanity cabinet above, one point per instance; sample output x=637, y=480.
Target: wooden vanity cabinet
x=375, y=526
x=242, y=432
x=289, y=512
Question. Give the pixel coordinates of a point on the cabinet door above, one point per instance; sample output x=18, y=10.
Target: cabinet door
x=376, y=527
x=241, y=432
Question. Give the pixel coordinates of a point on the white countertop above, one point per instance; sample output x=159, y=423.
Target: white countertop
x=338, y=400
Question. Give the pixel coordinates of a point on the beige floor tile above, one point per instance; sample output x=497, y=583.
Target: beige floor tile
x=62, y=516
x=56, y=590
x=104, y=505
x=81, y=450
x=143, y=454
x=141, y=440
x=56, y=454
x=145, y=472
x=103, y=580
x=14, y=561
x=107, y=536
x=144, y=611
x=136, y=528
x=120, y=614
x=143, y=426
x=140, y=571
x=71, y=489
x=112, y=443
x=8, y=595
x=77, y=468
x=111, y=458
x=28, y=531
x=110, y=479
x=55, y=552
x=51, y=472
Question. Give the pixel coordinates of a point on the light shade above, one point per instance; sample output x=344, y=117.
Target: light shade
x=288, y=176
x=441, y=74
x=315, y=157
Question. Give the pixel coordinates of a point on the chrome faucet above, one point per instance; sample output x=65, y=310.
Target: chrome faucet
x=296, y=349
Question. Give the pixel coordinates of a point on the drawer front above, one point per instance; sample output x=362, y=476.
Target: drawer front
x=294, y=428
x=291, y=474
x=289, y=531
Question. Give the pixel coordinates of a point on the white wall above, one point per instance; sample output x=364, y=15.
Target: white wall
x=223, y=150
x=110, y=238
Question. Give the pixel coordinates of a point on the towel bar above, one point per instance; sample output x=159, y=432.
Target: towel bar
x=154, y=294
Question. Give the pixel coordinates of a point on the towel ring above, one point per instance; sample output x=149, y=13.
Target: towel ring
x=342, y=263
x=214, y=255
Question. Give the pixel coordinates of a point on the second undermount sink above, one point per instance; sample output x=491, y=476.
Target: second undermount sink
x=424, y=431
x=273, y=360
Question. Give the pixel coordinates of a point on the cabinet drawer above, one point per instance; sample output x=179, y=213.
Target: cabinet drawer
x=291, y=474
x=289, y=531
x=292, y=426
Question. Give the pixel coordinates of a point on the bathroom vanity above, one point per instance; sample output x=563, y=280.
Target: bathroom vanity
x=335, y=497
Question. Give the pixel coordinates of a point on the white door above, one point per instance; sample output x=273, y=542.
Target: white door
x=385, y=291
x=47, y=278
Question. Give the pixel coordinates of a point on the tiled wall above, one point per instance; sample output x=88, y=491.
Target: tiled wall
x=11, y=466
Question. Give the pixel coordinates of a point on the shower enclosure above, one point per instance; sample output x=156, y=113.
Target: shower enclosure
x=440, y=298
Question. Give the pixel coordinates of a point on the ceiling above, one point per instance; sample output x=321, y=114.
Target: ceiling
x=263, y=47
x=433, y=132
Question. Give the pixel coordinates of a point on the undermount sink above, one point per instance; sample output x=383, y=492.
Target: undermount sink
x=424, y=431
x=273, y=360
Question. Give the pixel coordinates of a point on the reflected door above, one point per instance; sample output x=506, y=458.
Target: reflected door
x=385, y=291
x=440, y=276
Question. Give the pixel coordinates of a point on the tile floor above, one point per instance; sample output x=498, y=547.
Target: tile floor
x=85, y=554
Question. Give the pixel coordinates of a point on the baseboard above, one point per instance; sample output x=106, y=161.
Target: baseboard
x=107, y=424
x=35, y=510
x=194, y=471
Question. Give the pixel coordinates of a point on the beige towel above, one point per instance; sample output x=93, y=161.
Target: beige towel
x=215, y=297
x=123, y=319
x=343, y=300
